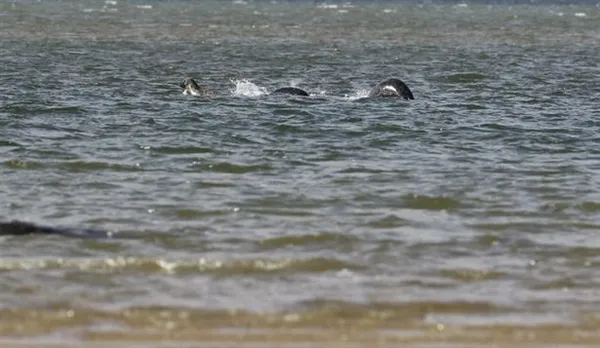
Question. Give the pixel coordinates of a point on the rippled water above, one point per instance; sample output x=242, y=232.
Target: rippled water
x=468, y=216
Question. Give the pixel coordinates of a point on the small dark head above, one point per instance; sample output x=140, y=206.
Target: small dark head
x=391, y=88
x=191, y=87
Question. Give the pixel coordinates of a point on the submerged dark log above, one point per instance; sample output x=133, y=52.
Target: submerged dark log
x=20, y=228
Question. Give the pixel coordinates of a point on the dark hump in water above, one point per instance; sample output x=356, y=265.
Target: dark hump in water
x=391, y=88
x=290, y=91
x=20, y=228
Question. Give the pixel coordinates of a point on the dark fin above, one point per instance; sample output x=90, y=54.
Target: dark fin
x=20, y=228
x=290, y=91
x=393, y=88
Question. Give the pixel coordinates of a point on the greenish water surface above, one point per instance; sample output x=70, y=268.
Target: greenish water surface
x=475, y=205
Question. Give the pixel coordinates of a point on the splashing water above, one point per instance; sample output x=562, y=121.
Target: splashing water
x=295, y=82
x=247, y=89
x=357, y=94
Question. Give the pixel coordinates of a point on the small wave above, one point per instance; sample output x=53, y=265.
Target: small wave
x=105, y=9
x=21, y=164
x=471, y=275
x=466, y=77
x=306, y=240
x=211, y=184
x=247, y=89
x=8, y=143
x=177, y=150
x=395, y=310
x=232, y=168
x=194, y=214
x=589, y=207
x=89, y=166
x=319, y=323
x=585, y=207
x=201, y=265
x=27, y=109
x=388, y=221
x=280, y=212
x=431, y=202
x=75, y=166
x=333, y=6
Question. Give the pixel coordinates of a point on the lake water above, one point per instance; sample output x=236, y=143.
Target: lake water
x=469, y=216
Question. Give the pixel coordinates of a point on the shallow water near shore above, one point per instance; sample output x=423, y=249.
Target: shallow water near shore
x=466, y=217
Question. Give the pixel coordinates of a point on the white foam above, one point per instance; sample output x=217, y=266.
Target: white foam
x=190, y=92
x=580, y=14
x=144, y=7
x=247, y=89
x=110, y=2
x=361, y=93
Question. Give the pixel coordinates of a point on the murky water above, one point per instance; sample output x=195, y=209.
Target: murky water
x=470, y=215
